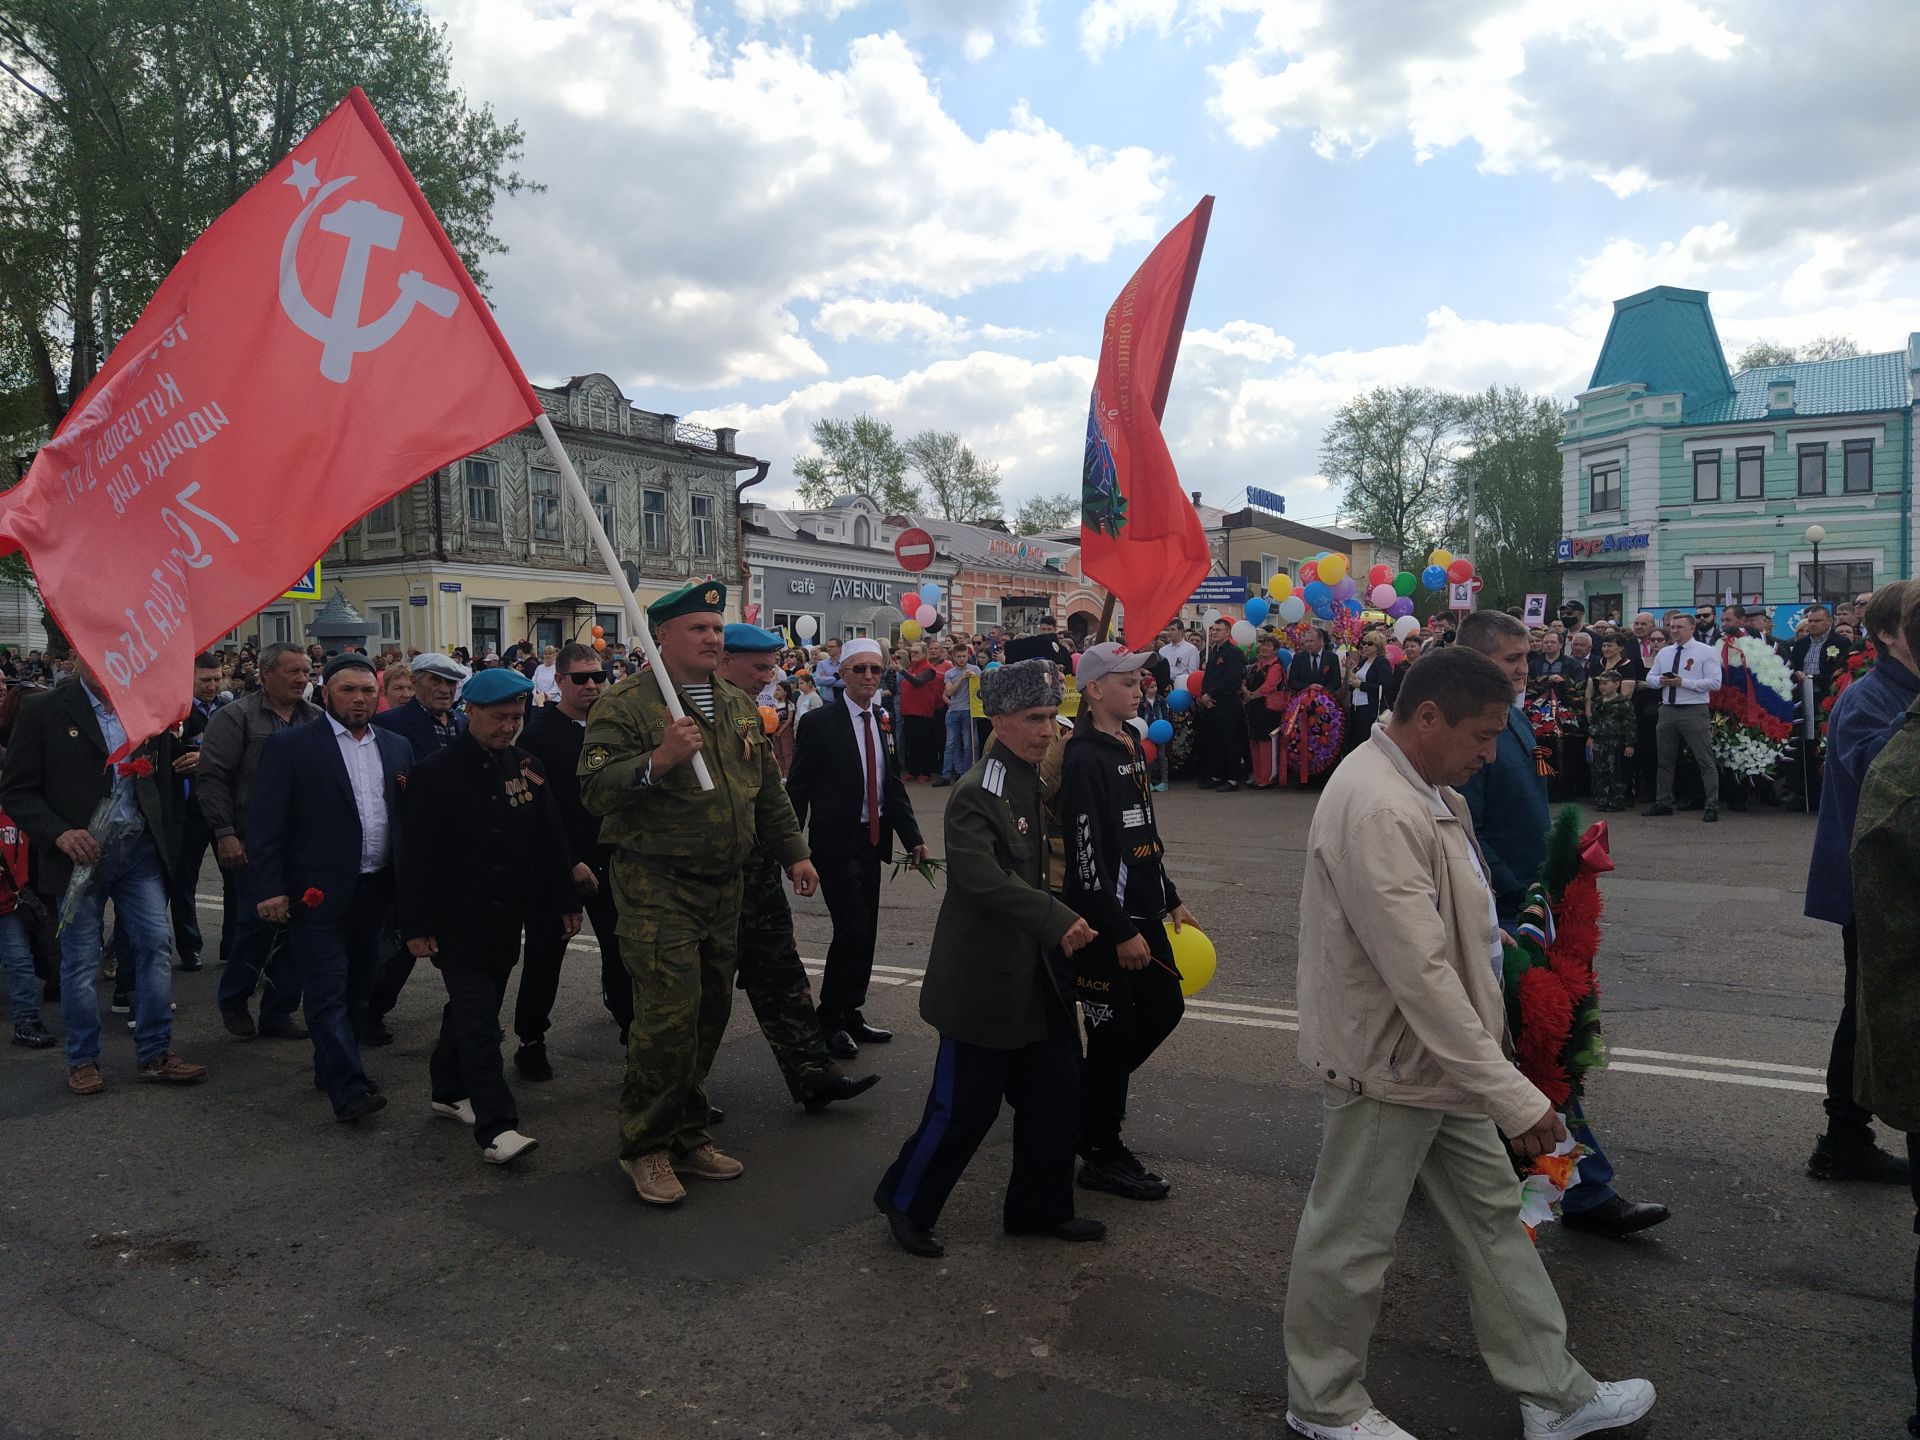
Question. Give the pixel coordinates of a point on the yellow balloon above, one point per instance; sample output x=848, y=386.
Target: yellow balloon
x=1194, y=955
x=909, y=630
x=1333, y=569
x=1442, y=558
x=1279, y=587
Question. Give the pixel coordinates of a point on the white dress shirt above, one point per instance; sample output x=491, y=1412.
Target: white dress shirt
x=1698, y=667
x=861, y=731
x=369, y=780
x=1182, y=657
x=546, y=680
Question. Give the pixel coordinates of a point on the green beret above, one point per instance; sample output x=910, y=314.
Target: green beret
x=701, y=597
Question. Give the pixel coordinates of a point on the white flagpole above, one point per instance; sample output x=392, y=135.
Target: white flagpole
x=636, y=617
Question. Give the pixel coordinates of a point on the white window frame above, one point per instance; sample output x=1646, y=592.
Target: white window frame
x=986, y=613
x=538, y=499
x=648, y=516
x=379, y=611
x=703, y=531
x=600, y=494
x=470, y=467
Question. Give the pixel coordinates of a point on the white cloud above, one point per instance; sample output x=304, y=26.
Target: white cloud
x=697, y=193
x=889, y=321
x=778, y=12
x=979, y=24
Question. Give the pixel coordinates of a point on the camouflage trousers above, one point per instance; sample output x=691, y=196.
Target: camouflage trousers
x=776, y=983
x=679, y=939
x=1613, y=732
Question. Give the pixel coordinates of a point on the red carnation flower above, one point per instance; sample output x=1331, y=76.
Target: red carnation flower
x=136, y=769
x=313, y=898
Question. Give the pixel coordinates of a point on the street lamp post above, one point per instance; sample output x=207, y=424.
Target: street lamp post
x=1815, y=534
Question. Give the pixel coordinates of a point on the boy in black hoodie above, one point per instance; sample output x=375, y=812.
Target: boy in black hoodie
x=1128, y=984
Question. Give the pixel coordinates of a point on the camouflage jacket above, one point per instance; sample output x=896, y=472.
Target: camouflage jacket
x=673, y=822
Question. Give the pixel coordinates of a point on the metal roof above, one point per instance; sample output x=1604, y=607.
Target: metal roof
x=1664, y=339
x=1820, y=387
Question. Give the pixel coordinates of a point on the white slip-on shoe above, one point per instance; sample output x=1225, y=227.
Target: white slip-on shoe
x=1614, y=1404
x=461, y=1110
x=1370, y=1426
x=507, y=1145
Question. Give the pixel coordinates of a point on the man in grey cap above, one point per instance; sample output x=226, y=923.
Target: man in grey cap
x=996, y=991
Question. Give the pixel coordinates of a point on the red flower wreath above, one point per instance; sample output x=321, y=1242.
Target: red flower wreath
x=313, y=898
x=135, y=769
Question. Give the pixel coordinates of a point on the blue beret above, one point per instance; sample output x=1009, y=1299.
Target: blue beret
x=752, y=640
x=492, y=687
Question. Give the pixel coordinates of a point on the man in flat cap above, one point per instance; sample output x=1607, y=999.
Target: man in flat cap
x=321, y=827
x=997, y=991
x=484, y=855
x=770, y=970
x=845, y=777
x=678, y=855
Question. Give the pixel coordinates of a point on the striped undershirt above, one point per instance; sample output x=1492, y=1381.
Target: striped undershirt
x=701, y=695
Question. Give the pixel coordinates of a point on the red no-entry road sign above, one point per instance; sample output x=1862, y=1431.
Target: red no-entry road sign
x=914, y=549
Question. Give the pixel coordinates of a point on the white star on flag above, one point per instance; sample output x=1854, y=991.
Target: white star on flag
x=304, y=177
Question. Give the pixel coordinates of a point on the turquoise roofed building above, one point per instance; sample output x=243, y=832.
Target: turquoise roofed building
x=1684, y=484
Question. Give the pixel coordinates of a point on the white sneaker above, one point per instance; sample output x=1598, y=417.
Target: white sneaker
x=1370, y=1426
x=461, y=1110
x=507, y=1145
x=1614, y=1404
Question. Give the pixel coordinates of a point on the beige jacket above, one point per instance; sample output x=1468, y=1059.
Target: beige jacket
x=1398, y=998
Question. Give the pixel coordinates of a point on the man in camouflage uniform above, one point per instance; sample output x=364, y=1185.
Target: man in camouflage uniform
x=770, y=969
x=678, y=852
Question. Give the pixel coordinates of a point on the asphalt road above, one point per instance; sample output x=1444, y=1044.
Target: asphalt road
x=228, y=1261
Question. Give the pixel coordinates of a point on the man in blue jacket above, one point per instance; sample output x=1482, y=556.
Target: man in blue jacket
x=1864, y=718
x=1508, y=800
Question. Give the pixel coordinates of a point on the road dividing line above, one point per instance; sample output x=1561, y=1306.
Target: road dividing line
x=1764, y=1082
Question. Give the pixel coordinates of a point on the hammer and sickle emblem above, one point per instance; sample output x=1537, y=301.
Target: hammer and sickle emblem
x=341, y=335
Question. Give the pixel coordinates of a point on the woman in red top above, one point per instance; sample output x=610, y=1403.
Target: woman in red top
x=919, y=699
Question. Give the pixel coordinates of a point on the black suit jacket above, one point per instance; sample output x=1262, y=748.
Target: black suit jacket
x=412, y=722
x=825, y=780
x=556, y=742
x=56, y=773
x=303, y=829
x=1830, y=665
x=1321, y=669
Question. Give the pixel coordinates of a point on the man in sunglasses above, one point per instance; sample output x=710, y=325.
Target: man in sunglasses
x=1706, y=628
x=553, y=737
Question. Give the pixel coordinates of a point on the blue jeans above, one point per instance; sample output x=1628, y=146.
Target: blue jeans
x=133, y=877
x=1596, y=1170
x=16, y=958
x=336, y=960
x=959, y=758
x=256, y=947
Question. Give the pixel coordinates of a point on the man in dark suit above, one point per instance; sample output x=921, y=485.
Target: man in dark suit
x=1314, y=663
x=846, y=773
x=191, y=837
x=553, y=737
x=1820, y=654
x=56, y=778
x=321, y=823
x=484, y=854
x=1220, y=727
x=1005, y=1013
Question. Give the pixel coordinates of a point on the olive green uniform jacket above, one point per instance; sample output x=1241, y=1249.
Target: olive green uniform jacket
x=1886, y=857
x=990, y=978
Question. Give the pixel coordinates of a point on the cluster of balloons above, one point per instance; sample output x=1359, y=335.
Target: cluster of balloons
x=1442, y=567
x=922, y=609
x=599, y=638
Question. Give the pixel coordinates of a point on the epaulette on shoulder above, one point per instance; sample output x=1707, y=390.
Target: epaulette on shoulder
x=993, y=778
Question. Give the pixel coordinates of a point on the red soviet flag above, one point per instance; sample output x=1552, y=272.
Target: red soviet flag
x=317, y=350
x=1139, y=535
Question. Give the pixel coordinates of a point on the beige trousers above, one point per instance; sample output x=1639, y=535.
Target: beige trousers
x=1370, y=1155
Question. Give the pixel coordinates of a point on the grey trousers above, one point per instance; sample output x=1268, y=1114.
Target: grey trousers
x=1371, y=1153
x=1693, y=724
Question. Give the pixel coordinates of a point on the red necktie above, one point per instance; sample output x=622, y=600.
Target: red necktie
x=873, y=781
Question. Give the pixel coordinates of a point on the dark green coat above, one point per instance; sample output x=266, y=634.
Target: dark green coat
x=989, y=981
x=1886, y=857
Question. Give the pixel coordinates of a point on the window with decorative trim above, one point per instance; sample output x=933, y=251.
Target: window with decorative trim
x=1750, y=470
x=1837, y=580
x=1713, y=585
x=1706, y=475
x=383, y=519
x=702, y=528
x=653, y=521
x=482, y=483
x=1813, y=469
x=600, y=496
x=543, y=488
x=1857, y=468
x=1603, y=488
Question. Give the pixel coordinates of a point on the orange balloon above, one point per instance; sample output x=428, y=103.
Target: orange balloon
x=598, y=632
x=599, y=644
x=769, y=719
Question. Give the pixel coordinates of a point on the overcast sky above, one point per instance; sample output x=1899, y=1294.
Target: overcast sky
x=760, y=212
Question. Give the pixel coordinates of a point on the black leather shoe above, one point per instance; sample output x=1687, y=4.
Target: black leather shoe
x=361, y=1106
x=840, y=1045
x=531, y=1061
x=239, y=1023
x=1657, y=810
x=1710, y=816
x=1616, y=1218
x=841, y=1087
x=1868, y=1162
x=1100, y=1174
x=285, y=1030
x=1079, y=1228
x=865, y=1034
x=912, y=1239
x=374, y=1034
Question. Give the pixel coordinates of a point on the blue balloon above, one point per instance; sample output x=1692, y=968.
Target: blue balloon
x=930, y=593
x=1354, y=607
x=1317, y=594
x=1178, y=701
x=1324, y=610
x=1434, y=578
x=1160, y=731
x=1256, y=610
x=993, y=665
x=1285, y=658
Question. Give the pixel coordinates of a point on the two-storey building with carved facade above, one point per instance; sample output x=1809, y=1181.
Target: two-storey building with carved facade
x=490, y=550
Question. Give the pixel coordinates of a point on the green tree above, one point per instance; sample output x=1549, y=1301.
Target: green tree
x=1391, y=453
x=1039, y=513
x=127, y=126
x=959, y=485
x=857, y=457
x=1830, y=347
x=1770, y=352
x=1510, y=453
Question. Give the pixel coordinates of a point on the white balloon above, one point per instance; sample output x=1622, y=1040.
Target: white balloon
x=1243, y=632
x=1213, y=617
x=805, y=627
x=1404, y=627
x=1139, y=726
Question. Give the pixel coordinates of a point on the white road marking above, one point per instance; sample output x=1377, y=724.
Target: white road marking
x=1764, y=1082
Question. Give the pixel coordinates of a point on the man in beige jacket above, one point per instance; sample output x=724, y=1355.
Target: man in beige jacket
x=1402, y=1019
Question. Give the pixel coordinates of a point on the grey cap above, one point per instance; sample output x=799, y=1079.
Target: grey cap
x=445, y=666
x=1024, y=685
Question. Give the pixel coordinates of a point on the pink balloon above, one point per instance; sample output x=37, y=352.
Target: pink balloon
x=1384, y=595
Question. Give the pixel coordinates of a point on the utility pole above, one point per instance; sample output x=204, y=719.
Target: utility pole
x=1470, y=506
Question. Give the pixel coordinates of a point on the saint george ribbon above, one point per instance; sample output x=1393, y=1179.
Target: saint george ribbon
x=317, y=350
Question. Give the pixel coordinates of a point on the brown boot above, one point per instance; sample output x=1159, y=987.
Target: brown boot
x=654, y=1180
x=707, y=1163
x=171, y=1069
x=86, y=1079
